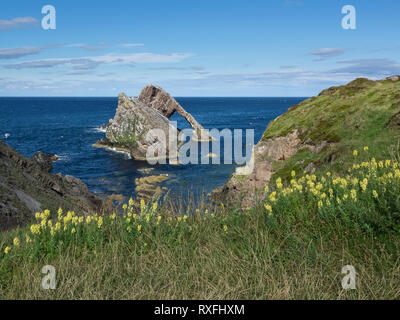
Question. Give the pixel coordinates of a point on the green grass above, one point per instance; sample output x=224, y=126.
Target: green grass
x=296, y=251
x=347, y=117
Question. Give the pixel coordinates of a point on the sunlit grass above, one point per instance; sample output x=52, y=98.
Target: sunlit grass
x=292, y=245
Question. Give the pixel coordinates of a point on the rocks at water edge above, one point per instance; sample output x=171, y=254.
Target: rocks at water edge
x=27, y=186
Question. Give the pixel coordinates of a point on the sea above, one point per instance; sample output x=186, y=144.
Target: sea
x=68, y=127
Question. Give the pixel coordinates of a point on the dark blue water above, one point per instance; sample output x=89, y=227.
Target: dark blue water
x=68, y=128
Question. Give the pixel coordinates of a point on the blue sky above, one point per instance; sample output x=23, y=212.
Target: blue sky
x=194, y=48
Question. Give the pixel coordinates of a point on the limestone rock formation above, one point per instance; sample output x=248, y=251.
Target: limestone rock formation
x=130, y=130
x=159, y=99
x=27, y=186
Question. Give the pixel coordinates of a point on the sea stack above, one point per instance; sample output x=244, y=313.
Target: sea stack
x=131, y=129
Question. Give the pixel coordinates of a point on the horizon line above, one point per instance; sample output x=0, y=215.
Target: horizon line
x=172, y=96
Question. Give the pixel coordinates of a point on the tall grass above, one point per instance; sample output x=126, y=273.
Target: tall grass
x=293, y=245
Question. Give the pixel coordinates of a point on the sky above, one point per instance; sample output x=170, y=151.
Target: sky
x=194, y=48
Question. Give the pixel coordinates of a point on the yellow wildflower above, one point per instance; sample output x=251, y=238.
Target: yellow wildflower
x=366, y=148
x=73, y=230
x=7, y=250
x=59, y=212
x=142, y=206
x=28, y=238
x=225, y=228
x=375, y=194
x=139, y=227
x=100, y=222
x=355, y=153
x=16, y=242
x=353, y=194
x=35, y=228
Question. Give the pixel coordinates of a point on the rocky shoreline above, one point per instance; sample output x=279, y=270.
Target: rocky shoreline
x=27, y=186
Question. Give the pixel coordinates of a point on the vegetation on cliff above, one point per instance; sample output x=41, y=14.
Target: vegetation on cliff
x=292, y=245
x=320, y=135
x=333, y=199
x=345, y=118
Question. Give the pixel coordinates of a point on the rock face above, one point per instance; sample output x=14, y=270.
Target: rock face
x=248, y=189
x=319, y=134
x=130, y=130
x=393, y=78
x=160, y=100
x=27, y=186
x=45, y=161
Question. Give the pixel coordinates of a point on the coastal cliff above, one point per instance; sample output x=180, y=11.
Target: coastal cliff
x=27, y=186
x=321, y=132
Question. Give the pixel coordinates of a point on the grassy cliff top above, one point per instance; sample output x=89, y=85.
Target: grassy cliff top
x=361, y=113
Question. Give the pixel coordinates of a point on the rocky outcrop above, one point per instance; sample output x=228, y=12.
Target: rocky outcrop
x=320, y=133
x=160, y=100
x=248, y=188
x=45, y=161
x=131, y=129
x=147, y=188
x=393, y=78
x=27, y=186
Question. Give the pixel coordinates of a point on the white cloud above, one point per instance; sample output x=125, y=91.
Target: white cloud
x=131, y=45
x=13, y=53
x=92, y=62
x=326, y=53
x=18, y=23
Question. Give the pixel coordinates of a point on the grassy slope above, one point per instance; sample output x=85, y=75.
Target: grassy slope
x=296, y=252
x=348, y=117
